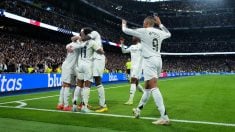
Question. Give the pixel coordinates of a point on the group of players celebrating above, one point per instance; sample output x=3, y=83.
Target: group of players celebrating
x=86, y=60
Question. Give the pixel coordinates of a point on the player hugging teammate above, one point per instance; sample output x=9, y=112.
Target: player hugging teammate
x=82, y=54
x=87, y=50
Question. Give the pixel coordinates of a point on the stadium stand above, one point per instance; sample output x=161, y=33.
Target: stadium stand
x=174, y=14
x=35, y=52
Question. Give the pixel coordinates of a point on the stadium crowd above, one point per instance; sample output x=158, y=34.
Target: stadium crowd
x=59, y=18
x=22, y=54
x=174, y=14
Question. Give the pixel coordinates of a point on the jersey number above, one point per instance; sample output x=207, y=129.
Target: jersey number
x=155, y=44
x=83, y=52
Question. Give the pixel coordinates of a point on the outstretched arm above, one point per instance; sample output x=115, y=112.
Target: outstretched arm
x=129, y=31
x=124, y=50
x=76, y=38
x=74, y=45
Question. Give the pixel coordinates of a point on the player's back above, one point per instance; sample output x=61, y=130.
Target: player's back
x=151, y=38
x=151, y=41
x=97, y=38
x=71, y=57
x=135, y=54
x=87, y=52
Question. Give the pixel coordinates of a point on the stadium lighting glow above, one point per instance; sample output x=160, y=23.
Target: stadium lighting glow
x=153, y=0
x=54, y=28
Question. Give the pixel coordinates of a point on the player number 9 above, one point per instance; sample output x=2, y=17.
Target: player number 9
x=155, y=44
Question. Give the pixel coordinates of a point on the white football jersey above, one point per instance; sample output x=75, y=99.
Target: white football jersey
x=151, y=38
x=97, y=38
x=87, y=52
x=136, y=57
x=72, y=57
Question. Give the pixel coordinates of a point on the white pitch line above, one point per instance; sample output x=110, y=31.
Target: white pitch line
x=91, y=90
x=126, y=116
x=22, y=104
x=165, y=79
x=51, y=96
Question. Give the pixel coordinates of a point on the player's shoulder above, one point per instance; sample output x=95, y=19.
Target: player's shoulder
x=134, y=47
x=153, y=29
x=141, y=29
x=69, y=44
x=139, y=45
x=94, y=33
x=91, y=42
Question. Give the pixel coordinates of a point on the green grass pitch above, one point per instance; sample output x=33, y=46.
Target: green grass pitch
x=199, y=103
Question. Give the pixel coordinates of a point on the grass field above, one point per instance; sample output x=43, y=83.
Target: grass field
x=200, y=103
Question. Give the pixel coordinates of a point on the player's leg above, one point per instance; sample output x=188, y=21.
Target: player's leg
x=147, y=92
x=78, y=70
x=60, y=105
x=86, y=96
x=88, y=79
x=67, y=86
x=144, y=99
x=101, y=93
x=64, y=77
x=132, y=91
x=135, y=74
x=98, y=69
x=157, y=96
x=128, y=74
x=139, y=86
x=77, y=93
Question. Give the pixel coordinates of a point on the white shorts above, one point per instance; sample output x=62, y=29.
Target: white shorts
x=85, y=71
x=136, y=72
x=152, y=67
x=68, y=75
x=98, y=67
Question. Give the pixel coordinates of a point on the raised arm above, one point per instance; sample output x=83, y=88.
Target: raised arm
x=74, y=45
x=78, y=45
x=124, y=50
x=126, y=30
x=165, y=31
x=76, y=38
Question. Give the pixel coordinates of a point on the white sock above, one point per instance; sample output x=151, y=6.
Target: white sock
x=132, y=92
x=157, y=96
x=144, y=98
x=140, y=88
x=86, y=95
x=66, y=96
x=81, y=95
x=76, y=94
x=61, y=98
x=101, y=94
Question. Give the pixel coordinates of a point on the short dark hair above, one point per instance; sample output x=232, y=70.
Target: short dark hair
x=87, y=30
